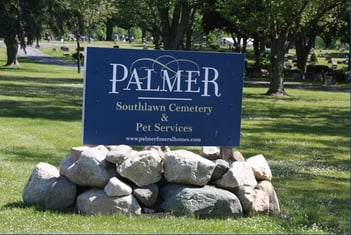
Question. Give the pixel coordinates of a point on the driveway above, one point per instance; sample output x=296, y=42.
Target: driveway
x=37, y=55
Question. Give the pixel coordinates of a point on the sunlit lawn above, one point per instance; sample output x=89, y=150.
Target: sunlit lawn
x=305, y=138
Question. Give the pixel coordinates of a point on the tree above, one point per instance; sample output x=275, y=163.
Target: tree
x=245, y=19
x=20, y=20
x=339, y=25
x=24, y=19
x=281, y=14
x=8, y=13
x=168, y=21
x=94, y=13
x=312, y=22
x=124, y=17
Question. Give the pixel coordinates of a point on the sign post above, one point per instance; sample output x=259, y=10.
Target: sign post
x=156, y=97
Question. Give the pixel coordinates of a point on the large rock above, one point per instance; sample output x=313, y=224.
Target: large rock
x=147, y=195
x=66, y=163
x=38, y=185
x=121, y=147
x=246, y=195
x=261, y=199
x=162, y=150
x=95, y=201
x=261, y=202
x=117, y=188
x=62, y=194
x=202, y=202
x=118, y=154
x=91, y=169
x=210, y=152
x=267, y=187
x=185, y=167
x=221, y=168
x=260, y=167
x=239, y=174
x=142, y=169
x=237, y=156
x=77, y=151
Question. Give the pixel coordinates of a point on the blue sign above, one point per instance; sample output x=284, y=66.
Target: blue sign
x=157, y=97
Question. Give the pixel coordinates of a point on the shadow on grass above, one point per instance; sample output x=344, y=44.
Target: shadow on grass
x=315, y=86
x=43, y=110
x=40, y=80
x=36, y=207
x=315, y=200
x=31, y=154
x=61, y=61
x=313, y=153
x=49, y=98
x=262, y=106
x=17, y=205
x=44, y=62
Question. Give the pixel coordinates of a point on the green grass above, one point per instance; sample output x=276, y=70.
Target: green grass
x=305, y=138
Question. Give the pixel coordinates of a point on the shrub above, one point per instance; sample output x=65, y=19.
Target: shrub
x=75, y=56
x=314, y=58
x=317, y=69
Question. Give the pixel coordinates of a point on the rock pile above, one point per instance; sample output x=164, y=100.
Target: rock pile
x=118, y=179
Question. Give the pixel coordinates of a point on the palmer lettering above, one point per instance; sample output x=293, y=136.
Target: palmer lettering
x=202, y=81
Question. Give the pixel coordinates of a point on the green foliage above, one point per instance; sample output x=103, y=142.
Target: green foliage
x=305, y=138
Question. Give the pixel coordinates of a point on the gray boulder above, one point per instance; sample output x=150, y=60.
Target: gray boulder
x=62, y=194
x=116, y=157
x=91, y=169
x=38, y=185
x=95, y=201
x=118, y=153
x=203, y=202
x=66, y=163
x=210, y=152
x=117, y=188
x=221, y=168
x=142, y=169
x=185, y=167
x=121, y=147
x=147, y=195
x=77, y=151
x=239, y=174
x=162, y=150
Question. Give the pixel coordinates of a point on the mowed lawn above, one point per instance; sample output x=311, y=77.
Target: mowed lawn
x=304, y=137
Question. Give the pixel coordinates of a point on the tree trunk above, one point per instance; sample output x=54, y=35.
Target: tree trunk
x=156, y=35
x=11, y=51
x=236, y=44
x=189, y=31
x=78, y=53
x=188, y=39
x=301, y=55
x=256, y=45
x=303, y=48
x=173, y=30
x=276, y=87
x=109, y=30
x=244, y=47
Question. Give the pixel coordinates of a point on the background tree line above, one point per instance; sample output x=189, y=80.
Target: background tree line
x=175, y=24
